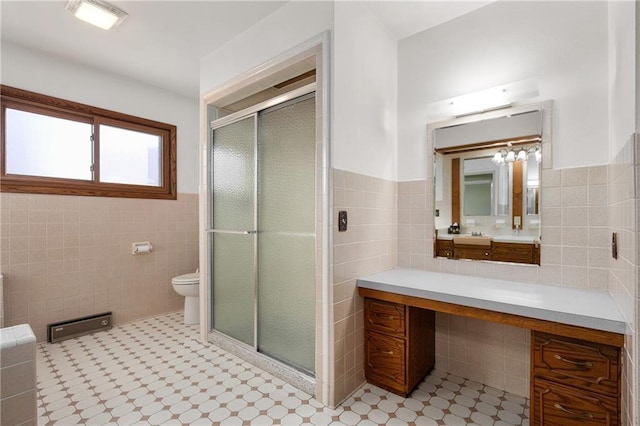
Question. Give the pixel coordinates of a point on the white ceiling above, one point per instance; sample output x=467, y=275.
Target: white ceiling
x=161, y=42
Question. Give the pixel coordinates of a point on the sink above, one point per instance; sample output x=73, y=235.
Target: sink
x=472, y=240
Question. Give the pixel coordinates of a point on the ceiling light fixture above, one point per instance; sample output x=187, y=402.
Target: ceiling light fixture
x=97, y=12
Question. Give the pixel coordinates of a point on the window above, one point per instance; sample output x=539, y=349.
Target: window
x=54, y=146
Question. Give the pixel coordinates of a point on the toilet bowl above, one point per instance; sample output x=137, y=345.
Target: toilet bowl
x=188, y=285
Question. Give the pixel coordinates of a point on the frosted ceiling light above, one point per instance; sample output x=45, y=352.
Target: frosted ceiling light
x=97, y=12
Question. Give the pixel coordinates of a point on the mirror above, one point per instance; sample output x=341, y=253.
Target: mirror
x=487, y=186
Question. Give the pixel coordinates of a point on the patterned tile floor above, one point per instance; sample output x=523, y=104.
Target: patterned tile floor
x=155, y=371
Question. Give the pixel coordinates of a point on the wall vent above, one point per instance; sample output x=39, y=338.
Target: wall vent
x=78, y=327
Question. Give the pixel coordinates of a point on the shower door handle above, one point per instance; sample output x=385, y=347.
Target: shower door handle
x=231, y=231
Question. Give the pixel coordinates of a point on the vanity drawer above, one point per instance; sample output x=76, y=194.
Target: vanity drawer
x=444, y=248
x=385, y=317
x=557, y=405
x=472, y=252
x=512, y=252
x=385, y=365
x=587, y=365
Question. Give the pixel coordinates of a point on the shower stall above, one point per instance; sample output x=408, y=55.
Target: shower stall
x=262, y=229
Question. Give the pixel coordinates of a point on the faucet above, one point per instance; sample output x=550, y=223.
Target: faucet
x=517, y=224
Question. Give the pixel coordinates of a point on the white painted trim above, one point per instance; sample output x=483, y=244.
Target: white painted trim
x=323, y=95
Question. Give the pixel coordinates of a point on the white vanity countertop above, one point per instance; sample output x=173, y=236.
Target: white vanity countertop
x=515, y=239
x=497, y=238
x=584, y=308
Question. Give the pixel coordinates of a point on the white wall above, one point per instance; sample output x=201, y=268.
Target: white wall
x=562, y=44
x=364, y=93
x=38, y=72
x=622, y=79
x=364, y=69
x=279, y=32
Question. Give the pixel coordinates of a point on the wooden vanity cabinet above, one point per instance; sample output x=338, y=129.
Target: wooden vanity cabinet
x=528, y=253
x=399, y=345
x=444, y=248
x=574, y=382
x=513, y=252
x=473, y=252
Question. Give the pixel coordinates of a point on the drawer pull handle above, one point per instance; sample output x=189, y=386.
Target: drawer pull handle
x=389, y=317
x=386, y=352
x=587, y=364
x=583, y=415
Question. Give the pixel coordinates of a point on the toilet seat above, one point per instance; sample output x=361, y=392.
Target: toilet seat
x=186, y=279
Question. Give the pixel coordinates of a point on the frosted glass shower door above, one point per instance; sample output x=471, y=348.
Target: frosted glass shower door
x=233, y=224
x=286, y=239
x=262, y=230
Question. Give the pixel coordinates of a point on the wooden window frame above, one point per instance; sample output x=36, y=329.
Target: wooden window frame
x=42, y=104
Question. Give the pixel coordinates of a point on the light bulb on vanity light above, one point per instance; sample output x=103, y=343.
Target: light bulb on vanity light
x=522, y=155
x=511, y=157
x=498, y=159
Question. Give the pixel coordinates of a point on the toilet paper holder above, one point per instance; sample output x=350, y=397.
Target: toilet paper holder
x=141, y=248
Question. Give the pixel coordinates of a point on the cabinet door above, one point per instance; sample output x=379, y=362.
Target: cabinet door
x=472, y=252
x=385, y=362
x=444, y=248
x=557, y=405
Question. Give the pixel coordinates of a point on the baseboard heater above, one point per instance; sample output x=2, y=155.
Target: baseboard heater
x=78, y=327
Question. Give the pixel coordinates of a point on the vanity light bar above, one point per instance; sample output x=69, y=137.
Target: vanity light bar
x=509, y=155
x=485, y=100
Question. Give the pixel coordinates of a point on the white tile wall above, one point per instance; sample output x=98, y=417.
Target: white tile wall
x=18, y=371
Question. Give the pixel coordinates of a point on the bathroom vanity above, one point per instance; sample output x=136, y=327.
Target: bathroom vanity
x=576, y=347
x=514, y=249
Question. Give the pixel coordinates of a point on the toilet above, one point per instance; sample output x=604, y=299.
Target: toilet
x=188, y=285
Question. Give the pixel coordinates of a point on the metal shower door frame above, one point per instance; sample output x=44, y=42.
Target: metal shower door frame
x=253, y=111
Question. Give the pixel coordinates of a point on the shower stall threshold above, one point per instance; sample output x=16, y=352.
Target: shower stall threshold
x=282, y=371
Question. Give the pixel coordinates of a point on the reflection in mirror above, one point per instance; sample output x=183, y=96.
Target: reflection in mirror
x=533, y=184
x=487, y=191
x=486, y=188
